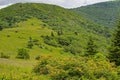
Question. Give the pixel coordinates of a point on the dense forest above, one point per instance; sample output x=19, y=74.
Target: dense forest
x=47, y=42
x=105, y=13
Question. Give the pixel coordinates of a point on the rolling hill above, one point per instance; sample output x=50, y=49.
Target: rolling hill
x=67, y=24
x=55, y=37
x=55, y=16
x=105, y=13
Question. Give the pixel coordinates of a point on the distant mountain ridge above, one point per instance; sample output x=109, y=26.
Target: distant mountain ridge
x=105, y=13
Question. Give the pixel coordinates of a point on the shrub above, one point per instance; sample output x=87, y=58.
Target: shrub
x=62, y=75
x=37, y=58
x=16, y=31
x=30, y=43
x=2, y=55
x=64, y=41
x=50, y=41
x=74, y=49
x=75, y=68
x=100, y=56
x=115, y=46
x=41, y=68
x=22, y=54
x=8, y=35
x=1, y=28
x=91, y=49
x=52, y=34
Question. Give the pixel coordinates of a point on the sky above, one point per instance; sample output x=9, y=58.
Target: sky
x=63, y=3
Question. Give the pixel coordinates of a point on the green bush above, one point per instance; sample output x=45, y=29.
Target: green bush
x=64, y=41
x=115, y=46
x=37, y=57
x=91, y=49
x=74, y=48
x=41, y=68
x=22, y=54
x=30, y=43
x=50, y=40
x=99, y=56
x=1, y=28
x=2, y=55
x=75, y=68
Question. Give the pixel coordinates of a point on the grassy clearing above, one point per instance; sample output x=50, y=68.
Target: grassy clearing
x=18, y=70
x=11, y=39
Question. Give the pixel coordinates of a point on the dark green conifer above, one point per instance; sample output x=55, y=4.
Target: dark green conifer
x=91, y=48
x=60, y=32
x=1, y=28
x=30, y=43
x=52, y=34
x=114, y=55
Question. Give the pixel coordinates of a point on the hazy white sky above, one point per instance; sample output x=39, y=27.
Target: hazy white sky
x=63, y=3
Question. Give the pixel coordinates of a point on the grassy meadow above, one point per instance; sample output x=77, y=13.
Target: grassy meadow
x=11, y=39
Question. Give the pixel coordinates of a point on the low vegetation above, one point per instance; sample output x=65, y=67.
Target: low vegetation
x=75, y=68
x=2, y=55
x=48, y=42
x=23, y=54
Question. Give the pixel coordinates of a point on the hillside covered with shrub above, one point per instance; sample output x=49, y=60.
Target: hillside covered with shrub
x=48, y=42
x=71, y=29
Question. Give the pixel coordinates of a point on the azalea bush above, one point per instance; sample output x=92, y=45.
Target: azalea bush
x=74, y=68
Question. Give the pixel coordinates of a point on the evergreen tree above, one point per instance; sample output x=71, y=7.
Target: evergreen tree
x=114, y=55
x=91, y=48
x=76, y=33
x=52, y=34
x=60, y=32
x=30, y=43
x=1, y=28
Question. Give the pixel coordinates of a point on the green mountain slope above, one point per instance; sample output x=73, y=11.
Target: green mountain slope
x=55, y=16
x=69, y=29
x=14, y=38
x=56, y=38
x=105, y=13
